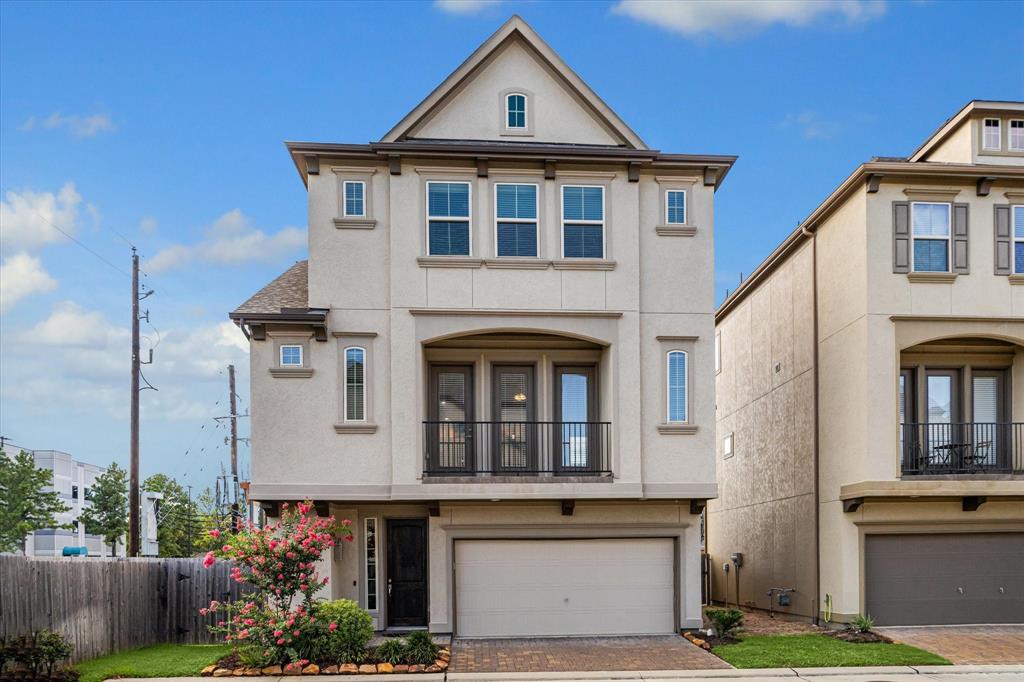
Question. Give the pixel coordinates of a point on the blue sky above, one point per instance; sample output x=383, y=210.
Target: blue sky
x=162, y=125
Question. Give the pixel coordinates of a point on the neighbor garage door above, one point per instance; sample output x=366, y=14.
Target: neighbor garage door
x=517, y=588
x=944, y=579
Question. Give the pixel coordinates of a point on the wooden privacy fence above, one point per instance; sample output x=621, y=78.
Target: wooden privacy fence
x=108, y=605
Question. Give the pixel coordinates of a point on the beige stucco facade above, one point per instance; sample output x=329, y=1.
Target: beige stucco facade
x=817, y=348
x=376, y=287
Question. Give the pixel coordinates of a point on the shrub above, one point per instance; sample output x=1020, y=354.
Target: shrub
x=726, y=620
x=350, y=630
x=392, y=651
x=38, y=654
x=255, y=656
x=863, y=623
x=420, y=648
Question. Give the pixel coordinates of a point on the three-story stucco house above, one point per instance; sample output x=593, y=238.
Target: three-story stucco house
x=870, y=394
x=497, y=360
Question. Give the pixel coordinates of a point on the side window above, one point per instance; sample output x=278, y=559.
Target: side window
x=675, y=207
x=448, y=215
x=582, y=221
x=291, y=355
x=930, y=225
x=727, y=446
x=990, y=134
x=718, y=352
x=355, y=202
x=1016, y=140
x=677, y=393
x=355, y=384
x=515, y=111
x=1018, y=239
x=371, y=563
x=515, y=216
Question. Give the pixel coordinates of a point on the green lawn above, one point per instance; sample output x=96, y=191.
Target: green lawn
x=159, y=660
x=814, y=651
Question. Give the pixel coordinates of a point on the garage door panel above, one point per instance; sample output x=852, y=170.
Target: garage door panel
x=944, y=578
x=564, y=587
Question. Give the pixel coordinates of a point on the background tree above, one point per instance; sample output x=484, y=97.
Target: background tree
x=24, y=507
x=211, y=514
x=108, y=514
x=178, y=524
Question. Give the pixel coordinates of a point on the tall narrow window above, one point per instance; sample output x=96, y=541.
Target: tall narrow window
x=448, y=218
x=675, y=207
x=582, y=221
x=355, y=384
x=1016, y=141
x=990, y=135
x=727, y=446
x=1018, y=239
x=370, y=534
x=291, y=356
x=515, y=109
x=355, y=202
x=931, y=236
x=515, y=214
x=677, y=408
x=718, y=352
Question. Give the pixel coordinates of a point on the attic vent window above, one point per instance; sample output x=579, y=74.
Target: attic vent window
x=515, y=111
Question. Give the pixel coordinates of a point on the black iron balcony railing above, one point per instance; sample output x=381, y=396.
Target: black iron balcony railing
x=964, y=448
x=517, y=448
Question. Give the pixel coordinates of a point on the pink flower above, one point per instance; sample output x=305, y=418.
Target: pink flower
x=296, y=632
x=346, y=522
x=280, y=642
x=203, y=611
x=332, y=627
x=272, y=544
x=226, y=548
x=278, y=633
x=214, y=533
x=303, y=587
x=242, y=634
x=208, y=560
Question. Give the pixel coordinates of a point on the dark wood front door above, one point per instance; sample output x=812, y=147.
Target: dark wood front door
x=407, y=572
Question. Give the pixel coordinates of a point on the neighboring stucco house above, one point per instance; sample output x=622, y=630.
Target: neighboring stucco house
x=870, y=394
x=497, y=361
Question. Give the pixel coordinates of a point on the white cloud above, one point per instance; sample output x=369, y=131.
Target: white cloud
x=230, y=240
x=27, y=219
x=811, y=125
x=79, y=126
x=742, y=17
x=22, y=275
x=464, y=6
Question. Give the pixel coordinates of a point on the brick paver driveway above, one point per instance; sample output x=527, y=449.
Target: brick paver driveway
x=570, y=654
x=965, y=644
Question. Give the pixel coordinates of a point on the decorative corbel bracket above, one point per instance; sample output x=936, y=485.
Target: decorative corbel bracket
x=852, y=505
x=873, y=182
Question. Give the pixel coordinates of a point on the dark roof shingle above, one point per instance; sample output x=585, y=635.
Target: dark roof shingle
x=290, y=290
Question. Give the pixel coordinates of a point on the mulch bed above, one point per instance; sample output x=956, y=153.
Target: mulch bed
x=858, y=637
x=231, y=666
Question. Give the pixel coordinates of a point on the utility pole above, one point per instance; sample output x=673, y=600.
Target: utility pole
x=234, y=448
x=189, y=511
x=133, y=488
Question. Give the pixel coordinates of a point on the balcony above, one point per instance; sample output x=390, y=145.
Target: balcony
x=969, y=448
x=516, y=448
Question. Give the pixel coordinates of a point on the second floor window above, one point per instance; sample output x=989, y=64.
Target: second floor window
x=1018, y=239
x=582, y=221
x=291, y=356
x=677, y=399
x=990, y=134
x=515, y=214
x=355, y=384
x=1016, y=136
x=675, y=207
x=74, y=492
x=930, y=227
x=515, y=110
x=355, y=203
x=448, y=218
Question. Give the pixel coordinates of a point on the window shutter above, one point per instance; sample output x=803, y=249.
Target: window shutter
x=1003, y=239
x=901, y=236
x=961, y=264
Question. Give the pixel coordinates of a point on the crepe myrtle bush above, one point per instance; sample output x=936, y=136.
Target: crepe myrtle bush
x=277, y=622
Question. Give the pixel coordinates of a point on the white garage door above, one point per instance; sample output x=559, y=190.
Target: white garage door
x=523, y=588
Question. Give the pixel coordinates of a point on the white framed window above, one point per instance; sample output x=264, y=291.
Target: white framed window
x=1017, y=217
x=515, y=111
x=675, y=207
x=1016, y=139
x=291, y=355
x=448, y=218
x=583, y=221
x=930, y=229
x=354, y=393
x=727, y=446
x=677, y=397
x=355, y=199
x=515, y=220
x=718, y=352
x=370, y=535
x=990, y=134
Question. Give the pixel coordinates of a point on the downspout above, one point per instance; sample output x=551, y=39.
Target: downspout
x=817, y=485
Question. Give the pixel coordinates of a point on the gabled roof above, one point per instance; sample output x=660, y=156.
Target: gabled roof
x=954, y=122
x=290, y=291
x=515, y=29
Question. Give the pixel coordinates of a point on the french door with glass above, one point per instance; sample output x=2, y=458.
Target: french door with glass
x=577, y=437
x=450, y=436
x=514, y=427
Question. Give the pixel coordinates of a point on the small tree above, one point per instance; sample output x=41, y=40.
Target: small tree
x=176, y=524
x=108, y=514
x=24, y=506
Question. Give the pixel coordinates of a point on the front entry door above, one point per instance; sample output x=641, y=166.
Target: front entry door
x=407, y=572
